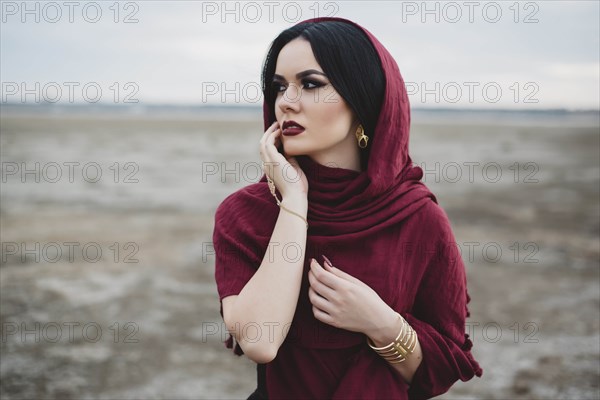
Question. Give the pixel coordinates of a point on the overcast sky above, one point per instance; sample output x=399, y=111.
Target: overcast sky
x=503, y=54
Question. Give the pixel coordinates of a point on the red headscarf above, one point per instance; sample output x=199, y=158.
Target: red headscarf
x=382, y=226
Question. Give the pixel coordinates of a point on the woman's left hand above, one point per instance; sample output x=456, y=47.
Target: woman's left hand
x=345, y=302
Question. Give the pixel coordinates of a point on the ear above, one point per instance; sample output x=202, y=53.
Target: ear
x=355, y=123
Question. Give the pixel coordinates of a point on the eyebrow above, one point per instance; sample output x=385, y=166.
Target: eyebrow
x=302, y=74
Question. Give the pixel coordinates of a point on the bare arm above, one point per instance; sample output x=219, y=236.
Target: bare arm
x=260, y=316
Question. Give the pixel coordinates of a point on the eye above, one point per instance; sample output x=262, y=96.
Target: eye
x=308, y=84
x=278, y=87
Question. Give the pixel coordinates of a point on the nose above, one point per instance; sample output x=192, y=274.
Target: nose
x=290, y=99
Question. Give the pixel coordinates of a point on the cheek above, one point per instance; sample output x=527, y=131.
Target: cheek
x=331, y=115
x=278, y=112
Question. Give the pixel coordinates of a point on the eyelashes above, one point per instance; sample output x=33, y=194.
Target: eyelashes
x=308, y=84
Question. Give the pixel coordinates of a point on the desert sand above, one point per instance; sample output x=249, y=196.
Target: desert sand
x=138, y=320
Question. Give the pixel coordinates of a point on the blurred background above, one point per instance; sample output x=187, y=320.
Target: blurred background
x=123, y=125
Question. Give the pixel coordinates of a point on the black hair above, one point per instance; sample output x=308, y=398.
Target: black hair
x=349, y=60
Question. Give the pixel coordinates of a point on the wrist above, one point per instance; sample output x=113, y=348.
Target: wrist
x=296, y=203
x=389, y=328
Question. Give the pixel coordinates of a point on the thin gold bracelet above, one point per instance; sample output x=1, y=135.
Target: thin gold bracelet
x=293, y=212
x=272, y=188
x=399, y=348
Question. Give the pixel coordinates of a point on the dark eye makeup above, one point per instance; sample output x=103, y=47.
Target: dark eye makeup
x=308, y=84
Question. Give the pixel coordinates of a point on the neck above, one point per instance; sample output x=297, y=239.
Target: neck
x=347, y=158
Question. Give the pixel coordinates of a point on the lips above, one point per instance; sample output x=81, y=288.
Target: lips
x=291, y=128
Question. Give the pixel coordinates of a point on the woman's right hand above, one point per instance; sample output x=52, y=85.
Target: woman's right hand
x=286, y=174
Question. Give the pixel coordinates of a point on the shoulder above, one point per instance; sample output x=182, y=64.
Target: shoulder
x=247, y=198
x=436, y=233
x=430, y=222
x=250, y=208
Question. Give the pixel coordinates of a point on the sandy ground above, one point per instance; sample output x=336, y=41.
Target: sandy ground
x=83, y=326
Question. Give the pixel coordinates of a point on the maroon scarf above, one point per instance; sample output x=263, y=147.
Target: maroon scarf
x=389, y=190
x=382, y=226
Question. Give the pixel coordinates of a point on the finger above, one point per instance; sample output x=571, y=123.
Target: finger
x=320, y=288
x=270, y=147
x=338, y=272
x=343, y=275
x=265, y=155
x=269, y=129
x=265, y=135
x=272, y=127
x=272, y=138
x=322, y=316
x=317, y=300
x=324, y=276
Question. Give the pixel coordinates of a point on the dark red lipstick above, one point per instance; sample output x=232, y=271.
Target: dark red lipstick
x=291, y=128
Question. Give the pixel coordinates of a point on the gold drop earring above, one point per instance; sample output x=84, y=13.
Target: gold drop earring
x=361, y=137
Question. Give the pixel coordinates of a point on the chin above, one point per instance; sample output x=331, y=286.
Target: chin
x=289, y=153
x=292, y=151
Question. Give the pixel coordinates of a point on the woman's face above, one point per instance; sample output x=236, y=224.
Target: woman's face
x=306, y=96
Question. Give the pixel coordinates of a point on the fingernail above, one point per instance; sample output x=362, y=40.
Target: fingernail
x=327, y=261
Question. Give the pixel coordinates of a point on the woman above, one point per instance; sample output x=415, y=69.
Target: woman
x=348, y=284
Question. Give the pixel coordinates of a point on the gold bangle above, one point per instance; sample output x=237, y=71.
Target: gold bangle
x=272, y=189
x=399, y=348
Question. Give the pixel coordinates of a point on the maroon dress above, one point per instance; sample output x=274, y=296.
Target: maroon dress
x=384, y=227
